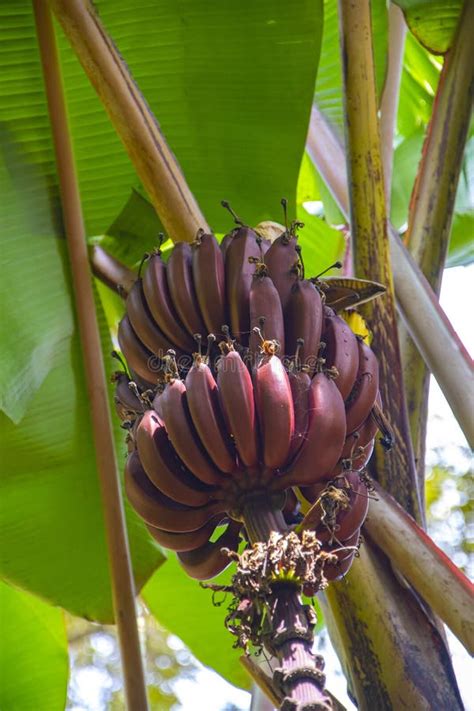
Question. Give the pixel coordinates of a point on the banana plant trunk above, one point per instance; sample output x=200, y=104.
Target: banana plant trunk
x=300, y=677
x=391, y=647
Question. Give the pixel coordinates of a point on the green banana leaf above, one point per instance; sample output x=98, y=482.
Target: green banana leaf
x=406, y=159
x=311, y=187
x=229, y=83
x=230, y=87
x=186, y=609
x=329, y=93
x=461, y=248
x=433, y=22
x=33, y=653
x=321, y=244
x=51, y=522
x=37, y=323
x=419, y=81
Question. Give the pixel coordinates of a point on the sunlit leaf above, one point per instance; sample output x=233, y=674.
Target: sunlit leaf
x=36, y=322
x=33, y=653
x=308, y=188
x=406, y=158
x=51, y=518
x=134, y=231
x=433, y=22
x=461, y=247
x=186, y=609
x=321, y=244
x=419, y=80
x=328, y=93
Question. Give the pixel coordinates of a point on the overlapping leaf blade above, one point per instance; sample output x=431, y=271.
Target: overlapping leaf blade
x=51, y=521
x=433, y=22
x=33, y=653
x=329, y=93
x=187, y=610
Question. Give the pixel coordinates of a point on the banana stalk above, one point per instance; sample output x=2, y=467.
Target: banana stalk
x=131, y=116
x=432, y=200
x=272, y=696
x=299, y=680
x=122, y=583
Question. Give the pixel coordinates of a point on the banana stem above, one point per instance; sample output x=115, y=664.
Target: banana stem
x=300, y=675
x=132, y=118
x=123, y=588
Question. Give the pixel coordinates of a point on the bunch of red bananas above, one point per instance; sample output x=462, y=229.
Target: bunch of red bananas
x=280, y=395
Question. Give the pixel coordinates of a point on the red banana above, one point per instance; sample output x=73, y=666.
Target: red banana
x=127, y=403
x=362, y=397
x=209, y=281
x=348, y=519
x=275, y=411
x=336, y=571
x=239, y=273
x=304, y=320
x=163, y=467
x=143, y=323
x=203, y=402
x=358, y=446
x=181, y=285
x=159, y=510
x=356, y=462
x=182, y=434
x=283, y=260
x=238, y=406
x=361, y=437
x=265, y=245
x=208, y=561
x=184, y=541
x=300, y=383
x=227, y=239
x=346, y=549
x=326, y=434
x=341, y=352
x=141, y=382
x=158, y=298
x=264, y=302
x=136, y=354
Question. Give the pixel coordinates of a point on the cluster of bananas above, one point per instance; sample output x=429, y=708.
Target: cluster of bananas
x=283, y=398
